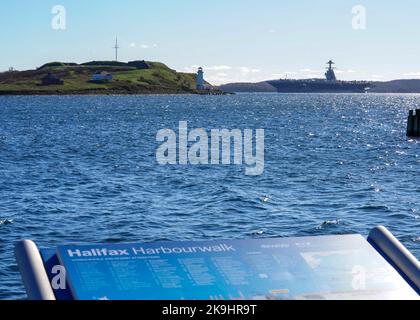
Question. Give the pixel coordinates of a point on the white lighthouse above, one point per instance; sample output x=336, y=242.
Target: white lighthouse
x=200, y=79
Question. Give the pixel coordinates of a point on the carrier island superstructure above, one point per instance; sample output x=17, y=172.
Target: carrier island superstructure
x=329, y=84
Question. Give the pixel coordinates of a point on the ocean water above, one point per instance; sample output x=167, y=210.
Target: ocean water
x=83, y=170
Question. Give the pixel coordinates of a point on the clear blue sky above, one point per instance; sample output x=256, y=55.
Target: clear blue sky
x=235, y=40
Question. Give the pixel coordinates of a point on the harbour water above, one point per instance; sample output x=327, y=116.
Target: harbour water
x=82, y=169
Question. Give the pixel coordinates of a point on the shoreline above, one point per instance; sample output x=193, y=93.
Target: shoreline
x=99, y=93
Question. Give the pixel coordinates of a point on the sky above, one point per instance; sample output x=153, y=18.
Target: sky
x=234, y=40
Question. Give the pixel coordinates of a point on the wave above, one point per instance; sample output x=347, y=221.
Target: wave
x=4, y=222
x=374, y=208
x=329, y=223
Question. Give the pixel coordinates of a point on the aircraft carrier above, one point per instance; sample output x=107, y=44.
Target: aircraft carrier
x=328, y=85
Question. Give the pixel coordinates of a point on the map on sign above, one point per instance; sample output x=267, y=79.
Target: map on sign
x=344, y=267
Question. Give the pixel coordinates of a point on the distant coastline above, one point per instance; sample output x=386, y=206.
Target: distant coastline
x=393, y=86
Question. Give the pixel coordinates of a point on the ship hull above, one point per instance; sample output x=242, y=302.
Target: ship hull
x=319, y=86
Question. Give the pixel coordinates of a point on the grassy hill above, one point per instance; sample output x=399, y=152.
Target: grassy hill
x=137, y=77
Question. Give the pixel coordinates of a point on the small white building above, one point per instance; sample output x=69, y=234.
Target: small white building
x=200, y=79
x=102, y=77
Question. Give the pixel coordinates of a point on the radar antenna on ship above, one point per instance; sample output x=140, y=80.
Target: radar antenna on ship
x=330, y=74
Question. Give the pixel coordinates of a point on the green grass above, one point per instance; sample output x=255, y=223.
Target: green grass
x=158, y=79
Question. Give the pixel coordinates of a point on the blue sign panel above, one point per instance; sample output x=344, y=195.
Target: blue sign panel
x=344, y=267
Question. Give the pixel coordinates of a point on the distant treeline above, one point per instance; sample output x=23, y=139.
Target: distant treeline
x=394, y=86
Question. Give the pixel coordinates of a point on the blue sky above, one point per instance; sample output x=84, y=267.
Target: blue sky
x=235, y=40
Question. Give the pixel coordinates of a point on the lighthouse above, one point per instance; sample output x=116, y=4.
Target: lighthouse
x=200, y=79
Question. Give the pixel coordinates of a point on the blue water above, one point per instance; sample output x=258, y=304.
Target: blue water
x=83, y=170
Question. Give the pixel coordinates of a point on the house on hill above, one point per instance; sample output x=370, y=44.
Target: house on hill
x=51, y=79
x=101, y=76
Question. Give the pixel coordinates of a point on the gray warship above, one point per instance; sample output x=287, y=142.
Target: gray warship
x=328, y=85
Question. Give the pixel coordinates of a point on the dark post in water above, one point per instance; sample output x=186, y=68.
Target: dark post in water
x=413, y=125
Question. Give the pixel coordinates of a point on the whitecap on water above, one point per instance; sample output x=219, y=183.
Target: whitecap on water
x=376, y=188
x=6, y=222
x=258, y=232
x=415, y=213
x=328, y=223
x=265, y=198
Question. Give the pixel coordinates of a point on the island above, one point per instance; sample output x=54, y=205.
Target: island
x=102, y=77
